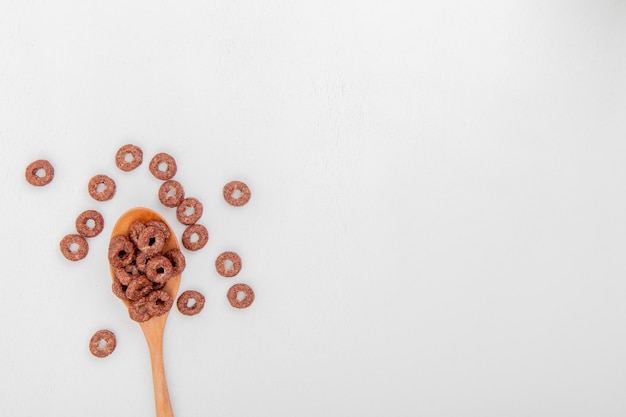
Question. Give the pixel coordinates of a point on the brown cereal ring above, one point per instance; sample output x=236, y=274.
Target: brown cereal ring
x=171, y=193
x=160, y=225
x=228, y=264
x=138, y=287
x=158, y=303
x=101, y=195
x=127, y=273
x=197, y=230
x=236, y=193
x=40, y=166
x=102, y=343
x=68, y=249
x=134, y=230
x=189, y=204
x=155, y=165
x=151, y=240
x=138, y=311
x=159, y=269
x=158, y=285
x=183, y=303
x=121, y=251
x=83, y=225
x=121, y=157
x=141, y=260
x=119, y=289
x=177, y=259
x=233, y=295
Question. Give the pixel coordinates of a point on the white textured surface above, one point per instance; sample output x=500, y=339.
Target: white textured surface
x=438, y=221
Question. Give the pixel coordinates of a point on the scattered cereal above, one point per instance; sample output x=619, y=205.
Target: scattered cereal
x=101, y=188
x=183, y=303
x=160, y=161
x=102, y=343
x=39, y=173
x=240, y=295
x=83, y=226
x=200, y=232
x=121, y=157
x=236, y=193
x=228, y=264
x=74, y=247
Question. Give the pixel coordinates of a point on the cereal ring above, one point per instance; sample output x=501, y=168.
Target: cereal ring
x=83, y=223
x=158, y=303
x=119, y=289
x=151, y=240
x=160, y=225
x=138, y=287
x=158, y=285
x=134, y=230
x=183, y=303
x=102, y=343
x=171, y=193
x=163, y=160
x=177, y=259
x=101, y=188
x=39, y=173
x=121, y=251
x=236, y=193
x=189, y=211
x=141, y=260
x=127, y=273
x=128, y=157
x=228, y=264
x=138, y=310
x=200, y=232
x=159, y=269
x=234, y=295
x=74, y=247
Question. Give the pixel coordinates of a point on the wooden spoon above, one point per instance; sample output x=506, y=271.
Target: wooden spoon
x=153, y=328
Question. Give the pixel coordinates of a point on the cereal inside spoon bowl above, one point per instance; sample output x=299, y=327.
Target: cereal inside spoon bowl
x=146, y=265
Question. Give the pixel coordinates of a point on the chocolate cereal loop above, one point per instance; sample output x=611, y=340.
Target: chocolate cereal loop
x=101, y=188
x=134, y=230
x=158, y=303
x=138, y=288
x=228, y=264
x=138, y=311
x=151, y=240
x=119, y=289
x=128, y=157
x=236, y=193
x=202, y=237
x=159, y=161
x=83, y=226
x=160, y=225
x=74, y=247
x=171, y=193
x=159, y=269
x=121, y=251
x=39, y=173
x=141, y=260
x=240, y=296
x=189, y=211
x=178, y=260
x=102, y=343
x=183, y=303
x=126, y=274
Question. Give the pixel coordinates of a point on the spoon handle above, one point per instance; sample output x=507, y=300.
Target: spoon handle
x=161, y=395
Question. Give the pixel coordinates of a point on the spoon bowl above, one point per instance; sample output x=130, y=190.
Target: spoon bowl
x=154, y=327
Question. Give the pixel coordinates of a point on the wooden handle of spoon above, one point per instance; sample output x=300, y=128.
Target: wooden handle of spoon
x=161, y=395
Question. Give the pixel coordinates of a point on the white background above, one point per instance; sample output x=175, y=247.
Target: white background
x=438, y=220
